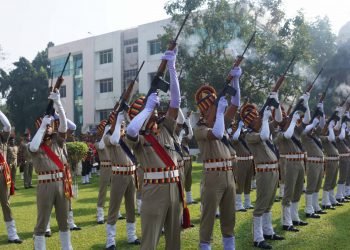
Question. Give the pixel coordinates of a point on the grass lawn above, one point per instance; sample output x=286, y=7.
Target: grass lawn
x=329, y=232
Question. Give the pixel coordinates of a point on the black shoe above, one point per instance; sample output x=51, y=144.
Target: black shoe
x=337, y=204
x=314, y=215
x=273, y=237
x=121, y=218
x=217, y=216
x=290, y=228
x=320, y=212
x=16, y=188
x=101, y=222
x=278, y=199
x=111, y=248
x=76, y=228
x=262, y=244
x=48, y=234
x=26, y=187
x=30, y=186
x=241, y=210
x=328, y=207
x=192, y=202
x=299, y=223
x=249, y=207
x=135, y=242
x=16, y=241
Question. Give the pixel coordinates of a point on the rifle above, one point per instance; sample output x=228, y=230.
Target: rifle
x=158, y=81
x=318, y=112
x=228, y=89
x=50, y=110
x=122, y=104
x=240, y=58
x=272, y=102
x=291, y=106
x=300, y=105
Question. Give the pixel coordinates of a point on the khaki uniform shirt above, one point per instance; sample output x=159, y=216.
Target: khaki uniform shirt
x=118, y=156
x=12, y=152
x=42, y=163
x=144, y=151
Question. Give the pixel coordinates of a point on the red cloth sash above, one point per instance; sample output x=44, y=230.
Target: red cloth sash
x=67, y=177
x=163, y=155
x=7, y=174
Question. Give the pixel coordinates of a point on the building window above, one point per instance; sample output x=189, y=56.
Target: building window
x=104, y=114
x=63, y=91
x=106, y=56
x=134, y=48
x=129, y=75
x=106, y=85
x=56, y=66
x=154, y=47
x=128, y=50
x=130, y=41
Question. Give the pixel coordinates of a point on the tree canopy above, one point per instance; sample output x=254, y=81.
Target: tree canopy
x=219, y=31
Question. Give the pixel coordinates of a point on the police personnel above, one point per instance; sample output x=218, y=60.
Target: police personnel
x=160, y=191
x=5, y=182
x=122, y=184
x=218, y=184
x=260, y=143
x=49, y=160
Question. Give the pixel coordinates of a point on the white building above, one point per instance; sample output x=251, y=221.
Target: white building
x=100, y=67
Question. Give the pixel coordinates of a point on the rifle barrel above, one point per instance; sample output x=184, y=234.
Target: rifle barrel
x=181, y=27
x=250, y=41
x=65, y=64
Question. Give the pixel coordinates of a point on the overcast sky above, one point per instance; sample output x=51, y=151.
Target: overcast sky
x=26, y=26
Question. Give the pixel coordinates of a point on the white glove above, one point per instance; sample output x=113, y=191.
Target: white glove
x=114, y=139
x=152, y=101
x=38, y=137
x=55, y=97
x=240, y=124
x=46, y=121
x=320, y=106
x=267, y=114
x=296, y=117
x=306, y=98
x=274, y=95
x=315, y=122
x=331, y=124
x=222, y=105
x=236, y=72
x=343, y=126
x=170, y=56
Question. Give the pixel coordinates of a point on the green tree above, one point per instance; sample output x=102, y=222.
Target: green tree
x=218, y=33
x=28, y=94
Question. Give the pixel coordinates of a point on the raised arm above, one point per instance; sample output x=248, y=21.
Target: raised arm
x=219, y=126
x=135, y=125
x=5, y=122
x=265, y=127
x=114, y=139
x=55, y=97
x=175, y=96
x=236, y=73
x=39, y=135
x=290, y=130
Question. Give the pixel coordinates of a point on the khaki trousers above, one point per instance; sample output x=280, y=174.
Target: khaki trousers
x=4, y=199
x=122, y=185
x=314, y=176
x=294, y=182
x=218, y=189
x=266, y=186
x=50, y=195
x=331, y=172
x=160, y=207
x=343, y=169
x=188, y=175
x=28, y=173
x=105, y=179
x=243, y=174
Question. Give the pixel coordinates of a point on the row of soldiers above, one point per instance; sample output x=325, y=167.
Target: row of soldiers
x=150, y=145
